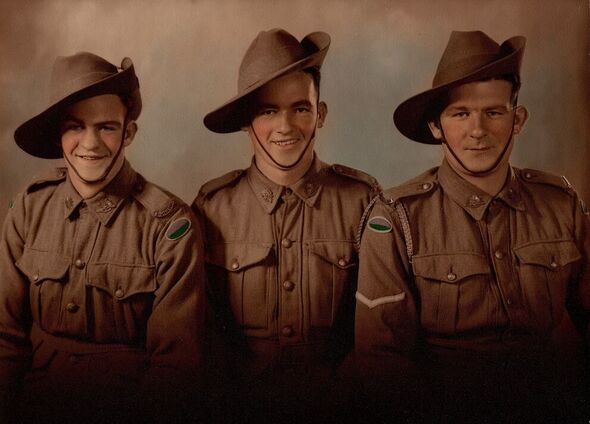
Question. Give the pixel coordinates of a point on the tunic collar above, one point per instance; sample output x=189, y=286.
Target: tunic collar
x=105, y=203
x=307, y=188
x=474, y=200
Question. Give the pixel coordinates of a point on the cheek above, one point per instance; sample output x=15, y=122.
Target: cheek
x=68, y=143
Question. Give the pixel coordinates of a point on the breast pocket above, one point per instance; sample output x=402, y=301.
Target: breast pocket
x=450, y=286
x=242, y=272
x=332, y=270
x=119, y=298
x=545, y=270
x=48, y=273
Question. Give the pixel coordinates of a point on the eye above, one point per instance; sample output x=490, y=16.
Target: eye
x=267, y=112
x=495, y=113
x=302, y=109
x=72, y=126
x=460, y=114
x=108, y=128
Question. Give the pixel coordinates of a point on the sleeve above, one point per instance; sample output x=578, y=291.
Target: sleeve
x=581, y=303
x=15, y=318
x=385, y=376
x=175, y=328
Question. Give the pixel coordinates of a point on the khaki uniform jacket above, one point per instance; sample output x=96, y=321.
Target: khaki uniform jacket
x=282, y=263
x=446, y=269
x=105, y=287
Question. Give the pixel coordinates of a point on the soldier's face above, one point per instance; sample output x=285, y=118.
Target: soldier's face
x=91, y=134
x=477, y=125
x=285, y=119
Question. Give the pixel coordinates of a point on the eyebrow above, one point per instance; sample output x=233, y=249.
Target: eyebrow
x=79, y=121
x=274, y=106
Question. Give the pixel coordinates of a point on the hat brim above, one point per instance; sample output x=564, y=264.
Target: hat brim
x=410, y=116
x=231, y=116
x=39, y=136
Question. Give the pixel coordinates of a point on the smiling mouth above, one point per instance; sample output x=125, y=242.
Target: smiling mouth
x=288, y=142
x=90, y=158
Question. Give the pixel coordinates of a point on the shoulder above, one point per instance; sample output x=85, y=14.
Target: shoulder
x=50, y=178
x=160, y=203
x=421, y=185
x=356, y=175
x=219, y=183
x=535, y=177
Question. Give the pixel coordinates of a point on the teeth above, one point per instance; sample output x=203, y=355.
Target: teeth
x=286, y=142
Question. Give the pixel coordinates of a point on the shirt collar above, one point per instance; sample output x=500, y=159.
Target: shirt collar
x=471, y=198
x=105, y=203
x=268, y=193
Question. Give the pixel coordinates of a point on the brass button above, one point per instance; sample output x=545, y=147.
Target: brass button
x=426, y=186
x=119, y=292
x=72, y=307
x=342, y=262
x=35, y=277
x=235, y=265
x=553, y=264
x=528, y=175
x=79, y=263
x=451, y=276
x=498, y=254
x=287, y=331
x=288, y=285
x=286, y=243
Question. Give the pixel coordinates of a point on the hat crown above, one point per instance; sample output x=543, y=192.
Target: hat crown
x=269, y=52
x=466, y=52
x=73, y=73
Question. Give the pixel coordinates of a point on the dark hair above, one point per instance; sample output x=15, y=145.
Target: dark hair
x=439, y=104
x=315, y=73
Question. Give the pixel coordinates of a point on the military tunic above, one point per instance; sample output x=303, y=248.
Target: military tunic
x=452, y=278
x=282, y=266
x=105, y=291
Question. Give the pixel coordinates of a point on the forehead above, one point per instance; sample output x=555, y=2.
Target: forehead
x=98, y=107
x=490, y=91
x=292, y=87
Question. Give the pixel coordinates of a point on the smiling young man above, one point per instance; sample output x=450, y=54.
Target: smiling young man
x=474, y=282
x=280, y=236
x=101, y=301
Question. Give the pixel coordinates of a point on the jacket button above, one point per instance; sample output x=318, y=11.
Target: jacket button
x=288, y=285
x=235, y=265
x=553, y=264
x=451, y=276
x=342, y=262
x=498, y=254
x=79, y=263
x=286, y=243
x=72, y=307
x=426, y=186
x=119, y=292
x=35, y=277
x=287, y=331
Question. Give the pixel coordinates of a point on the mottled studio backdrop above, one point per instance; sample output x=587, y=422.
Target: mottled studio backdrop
x=187, y=55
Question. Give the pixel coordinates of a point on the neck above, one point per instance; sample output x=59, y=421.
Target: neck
x=285, y=177
x=85, y=190
x=492, y=184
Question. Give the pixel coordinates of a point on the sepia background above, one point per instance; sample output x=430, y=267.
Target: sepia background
x=187, y=54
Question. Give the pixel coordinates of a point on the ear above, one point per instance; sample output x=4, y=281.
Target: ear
x=130, y=132
x=521, y=115
x=322, y=113
x=435, y=130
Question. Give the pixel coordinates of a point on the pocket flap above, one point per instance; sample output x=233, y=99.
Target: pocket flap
x=549, y=254
x=338, y=253
x=450, y=267
x=122, y=281
x=40, y=266
x=237, y=256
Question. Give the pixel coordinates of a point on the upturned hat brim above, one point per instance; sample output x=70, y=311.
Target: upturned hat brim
x=232, y=115
x=410, y=116
x=40, y=135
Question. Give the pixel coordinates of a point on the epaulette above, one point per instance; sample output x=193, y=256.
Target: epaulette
x=357, y=175
x=217, y=184
x=156, y=200
x=421, y=184
x=52, y=176
x=541, y=177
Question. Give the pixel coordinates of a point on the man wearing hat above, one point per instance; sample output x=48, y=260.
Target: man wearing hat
x=280, y=235
x=474, y=276
x=102, y=271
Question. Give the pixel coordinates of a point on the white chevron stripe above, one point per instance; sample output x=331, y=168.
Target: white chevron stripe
x=380, y=300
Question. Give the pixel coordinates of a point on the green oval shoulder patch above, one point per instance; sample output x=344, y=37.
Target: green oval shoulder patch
x=380, y=224
x=178, y=228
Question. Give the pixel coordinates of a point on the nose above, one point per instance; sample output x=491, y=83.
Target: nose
x=285, y=122
x=478, y=129
x=90, y=139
